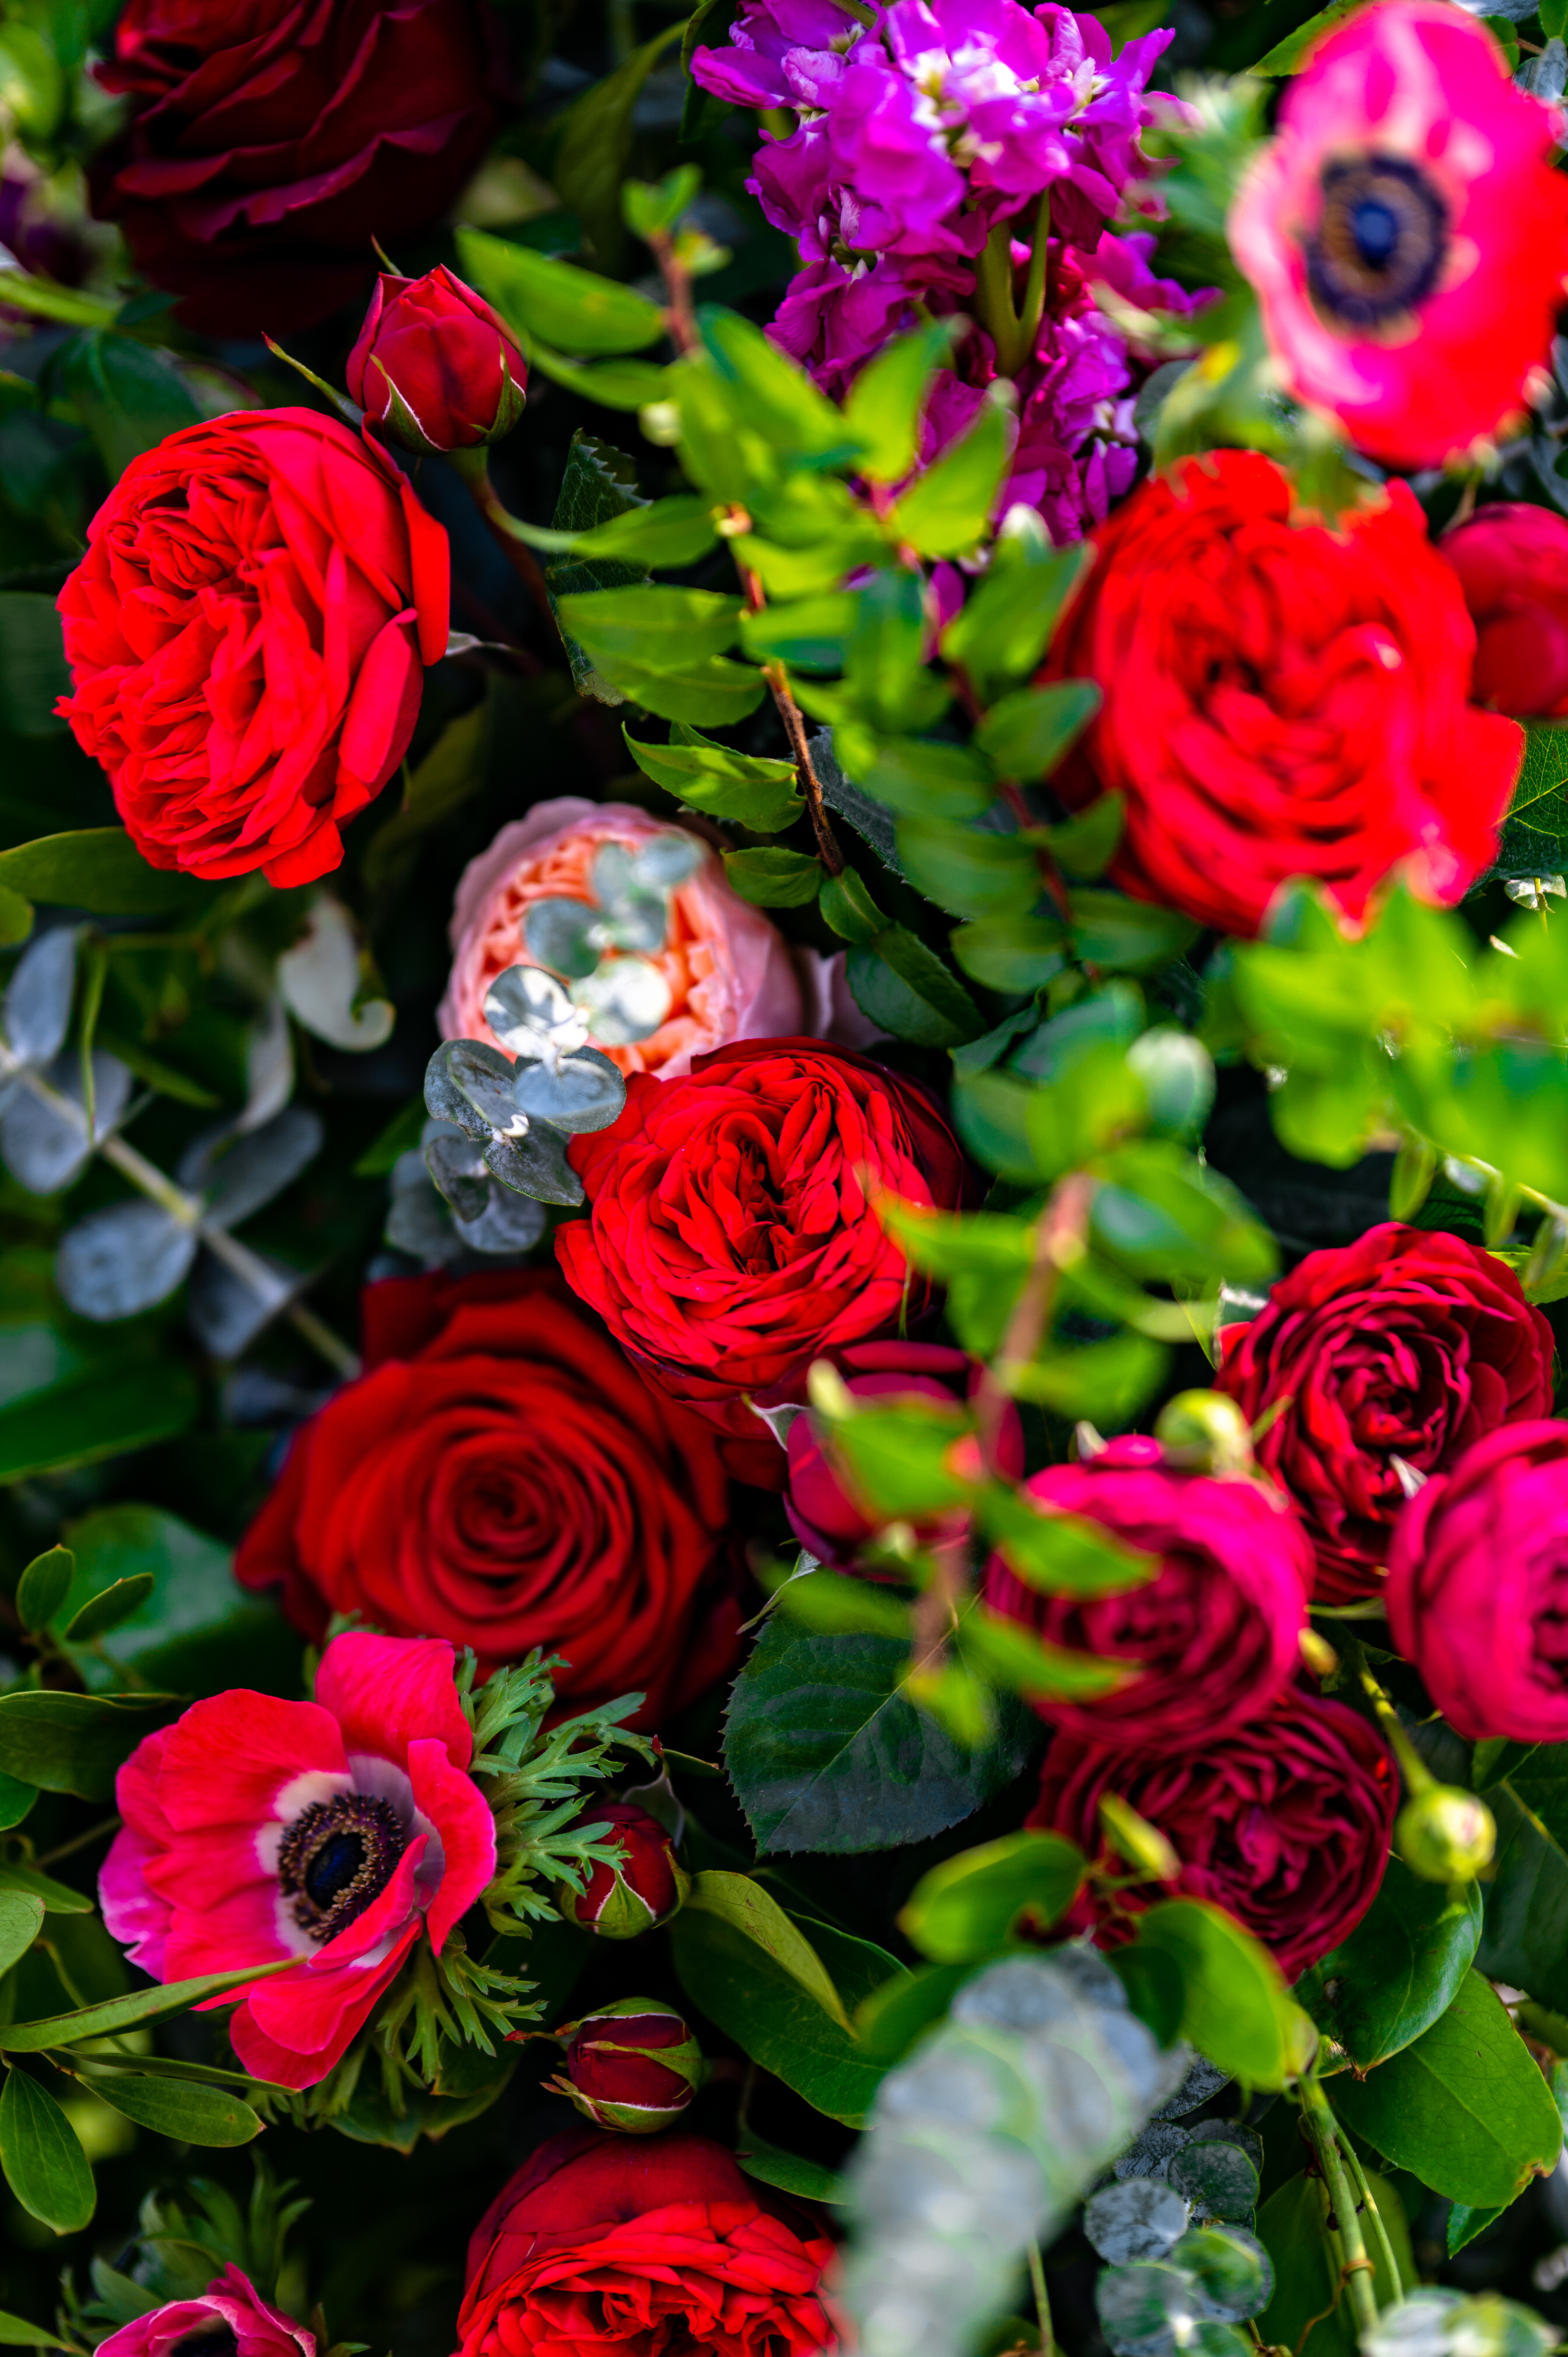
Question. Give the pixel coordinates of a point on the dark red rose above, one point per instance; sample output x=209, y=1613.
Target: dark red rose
x=1512, y=563
x=633, y=2066
x=1280, y=699
x=643, y=1891
x=1477, y=1591
x=1402, y=1344
x=1218, y=1633
x=435, y=368
x=274, y=139
x=499, y=1476
x=822, y=1515
x=1285, y=1824
x=247, y=635
x=607, y=2243
x=730, y=1242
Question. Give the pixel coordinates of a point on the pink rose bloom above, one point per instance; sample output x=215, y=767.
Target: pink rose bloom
x=731, y=975
x=1406, y=233
x=230, y=2313
x=334, y=1832
x=1478, y=1592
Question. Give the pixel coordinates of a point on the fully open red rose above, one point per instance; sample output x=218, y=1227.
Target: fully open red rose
x=501, y=1476
x=274, y=139
x=1402, y=1344
x=1478, y=1586
x=247, y=634
x=643, y=2246
x=1217, y=1633
x=1280, y=699
x=730, y=1241
x=1285, y=1824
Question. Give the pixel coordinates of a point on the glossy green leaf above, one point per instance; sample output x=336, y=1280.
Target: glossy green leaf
x=892, y=2017
x=128, y=395
x=99, y=870
x=847, y=906
x=905, y=987
x=613, y=384
x=44, y=1586
x=1125, y=936
x=1308, y=2312
x=811, y=634
x=714, y=694
x=592, y=144
x=1060, y=1553
x=968, y=872
x=1012, y=953
x=918, y=776
x=751, y=1910
x=17, y=1799
x=1287, y=57
x=102, y=1409
x=1007, y=619
x=969, y=1905
x=1026, y=734
x=109, y=1608
x=17, y=2332
x=945, y=511
x=1399, y=1970
x=888, y=399
x=572, y=310
x=777, y=397
x=1237, y=2009
x=43, y=2160
x=73, y=1742
x=759, y=793
x=182, y=2109
x=115, y=2014
x=59, y=1898
x=771, y=2016
x=33, y=674
x=1524, y=1932
x=656, y=627
x=774, y=879
x=671, y=532
x=1007, y=1655
x=788, y=2171
x=196, y=1629
x=21, y=1921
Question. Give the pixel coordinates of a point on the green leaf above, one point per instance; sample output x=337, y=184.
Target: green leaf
x=1524, y=1935
x=970, y=1905
x=33, y=672
x=400, y=1137
x=599, y=482
x=849, y=908
x=671, y=532
x=968, y=872
x=658, y=629
x=1286, y=56
x=613, y=385
x=1464, y=2107
x=109, y=1608
x=737, y=1900
x=1399, y=1970
x=17, y=1799
x=594, y=147
x=1007, y=1655
x=946, y=510
x=1309, y=2313
x=1028, y=732
x=43, y=2160
x=451, y=774
x=196, y=1629
x=812, y=634
x=888, y=401
x=15, y=2333
x=774, y=879
x=121, y=2013
x=72, y=1742
x=752, y=791
x=771, y=2016
x=181, y=2108
x=44, y=1586
x=21, y=1921
x=129, y=396
x=1126, y=936
x=1060, y=1553
x=905, y=987
x=718, y=692
x=572, y=310
x=1534, y=836
x=888, y=2021
x=1006, y=622
x=1237, y=2009
x=653, y=209
x=779, y=399
x=1464, y=2223
x=99, y=870
x=918, y=776
x=1085, y=844
x=59, y=1898
x=788, y=2171
x=1012, y=953
x=43, y=297
x=826, y=1752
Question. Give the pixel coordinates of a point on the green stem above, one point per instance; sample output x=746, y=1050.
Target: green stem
x=1370, y=2203
x=1035, y=285
x=1042, y=2299
x=1013, y=331
x=1356, y=2273
x=1418, y=1776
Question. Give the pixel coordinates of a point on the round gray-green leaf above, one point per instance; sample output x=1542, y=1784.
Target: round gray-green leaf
x=482, y=1076
x=42, y=2156
x=1145, y=2310
x=1217, y=2177
x=1137, y=2218
x=457, y=1167
x=124, y=1259
x=587, y=1092
x=1234, y=2273
x=557, y=933
x=36, y=1011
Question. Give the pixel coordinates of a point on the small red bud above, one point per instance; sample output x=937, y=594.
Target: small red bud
x=435, y=368
x=647, y=1887
x=634, y=2065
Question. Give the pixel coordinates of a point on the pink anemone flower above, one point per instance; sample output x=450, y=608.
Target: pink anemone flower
x=229, y=2316
x=331, y=1831
x=1406, y=234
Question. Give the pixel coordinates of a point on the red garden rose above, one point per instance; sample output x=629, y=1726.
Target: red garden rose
x=1478, y=1586
x=1285, y=1824
x=274, y=139
x=1280, y=699
x=643, y=2246
x=501, y=1476
x=1512, y=563
x=434, y=367
x=247, y=634
x=1217, y=1633
x=1402, y=1344
x=730, y=1241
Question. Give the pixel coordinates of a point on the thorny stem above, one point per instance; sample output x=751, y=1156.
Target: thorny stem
x=1356, y=2271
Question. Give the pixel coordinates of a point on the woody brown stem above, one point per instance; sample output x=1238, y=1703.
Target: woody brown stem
x=789, y=712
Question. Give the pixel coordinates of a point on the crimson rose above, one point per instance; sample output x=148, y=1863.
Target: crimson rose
x=1217, y=1633
x=639, y=2246
x=501, y=1476
x=730, y=1241
x=1285, y=1824
x=1477, y=1587
x=246, y=634
x=274, y=140
x=1512, y=563
x=1402, y=1344
x=1280, y=699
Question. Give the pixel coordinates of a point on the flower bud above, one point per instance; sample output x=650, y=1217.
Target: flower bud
x=1205, y=1432
x=1446, y=1835
x=643, y=1891
x=634, y=2065
x=435, y=368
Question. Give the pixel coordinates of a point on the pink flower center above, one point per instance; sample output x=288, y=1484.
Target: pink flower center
x=1381, y=245
x=336, y=1857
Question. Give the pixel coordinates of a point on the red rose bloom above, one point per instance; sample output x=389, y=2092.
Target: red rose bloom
x=247, y=633
x=274, y=139
x=434, y=367
x=730, y=1242
x=643, y=2248
x=1280, y=699
x=1478, y=1586
x=1512, y=563
x=500, y=1476
x=1402, y=1344
x=1217, y=1633
x=1285, y=1824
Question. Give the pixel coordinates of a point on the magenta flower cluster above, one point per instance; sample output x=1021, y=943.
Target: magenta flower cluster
x=923, y=132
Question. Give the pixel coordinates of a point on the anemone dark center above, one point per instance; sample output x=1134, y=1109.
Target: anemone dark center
x=1381, y=245
x=215, y=2340
x=336, y=1857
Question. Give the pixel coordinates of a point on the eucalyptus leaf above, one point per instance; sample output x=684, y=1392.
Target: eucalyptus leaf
x=1136, y=2218
x=125, y=1259
x=587, y=1092
x=227, y=1312
x=36, y=1012
x=44, y=1146
x=557, y=933
x=537, y=1166
x=239, y=1172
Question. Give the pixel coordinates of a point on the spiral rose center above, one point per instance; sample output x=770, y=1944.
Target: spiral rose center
x=1381, y=245
x=336, y=1858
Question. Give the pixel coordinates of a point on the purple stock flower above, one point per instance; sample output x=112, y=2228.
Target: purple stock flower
x=779, y=53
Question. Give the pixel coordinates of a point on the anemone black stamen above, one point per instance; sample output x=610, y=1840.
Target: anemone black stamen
x=1381, y=242
x=336, y=1857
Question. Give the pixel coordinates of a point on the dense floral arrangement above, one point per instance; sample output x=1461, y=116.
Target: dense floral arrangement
x=784, y=1101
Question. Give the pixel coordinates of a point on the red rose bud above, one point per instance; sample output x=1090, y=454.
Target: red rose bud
x=435, y=368
x=1512, y=563
x=648, y=1887
x=633, y=2065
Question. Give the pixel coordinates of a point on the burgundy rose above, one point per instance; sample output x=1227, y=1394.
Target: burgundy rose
x=435, y=368
x=1402, y=1344
x=607, y=2243
x=1478, y=1590
x=274, y=139
x=634, y=2065
x=643, y=1891
x=1285, y=1824
x=1216, y=1631
x=1512, y=563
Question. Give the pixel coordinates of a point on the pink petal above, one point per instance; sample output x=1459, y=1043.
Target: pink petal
x=461, y=1815
x=228, y=1758
x=384, y=1692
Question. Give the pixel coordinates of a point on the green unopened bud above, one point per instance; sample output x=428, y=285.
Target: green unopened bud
x=1140, y=1843
x=1206, y=1433
x=1446, y=1835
